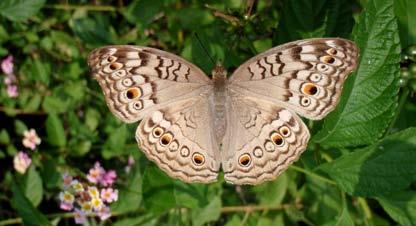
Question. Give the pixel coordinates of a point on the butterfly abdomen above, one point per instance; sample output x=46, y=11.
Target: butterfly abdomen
x=220, y=123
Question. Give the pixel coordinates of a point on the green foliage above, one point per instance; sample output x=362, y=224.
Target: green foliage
x=370, y=97
x=360, y=161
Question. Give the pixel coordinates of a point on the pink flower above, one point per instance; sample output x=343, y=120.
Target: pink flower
x=31, y=139
x=10, y=79
x=67, y=180
x=109, y=195
x=21, y=162
x=130, y=163
x=79, y=217
x=95, y=174
x=7, y=65
x=66, y=206
x=104, y=213
x=12, y=91
x=108, y=178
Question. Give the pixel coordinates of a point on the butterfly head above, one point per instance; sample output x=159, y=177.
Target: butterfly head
x=219, y=72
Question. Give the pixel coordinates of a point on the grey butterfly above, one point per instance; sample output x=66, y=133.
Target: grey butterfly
x=247, y=124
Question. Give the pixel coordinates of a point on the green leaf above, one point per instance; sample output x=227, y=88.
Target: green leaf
x=41, y=71
x=158, y=190
x=92, y=118
x=142, y=11
x=343, y=220
x=54, y=104
x=401, y=206
x=55, y=131
x=93, y=32
x=29, y=214
x=33, y=186
x=273, y=192
x=406, y=16
x=115, y=144
x=4, y=137
x=50, y=174
x=382, y=168
x=130, y=194
x=369, y=98
x=20, y=10
x=19, y=127
x=34, y=103
x=314, y=18
x=210, y=212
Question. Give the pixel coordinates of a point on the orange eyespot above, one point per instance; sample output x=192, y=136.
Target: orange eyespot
x=277, y=139
x=332, y=51
x=285, y=131
x=133, y=93
x=157, y=131
x=115, y=66
x=198, y=159
x=309, y=89
x=328, y=59
x=244, y=160
x=166, y=139
x=111, y=59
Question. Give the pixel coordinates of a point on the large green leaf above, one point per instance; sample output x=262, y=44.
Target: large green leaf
x=401, y=206
x=33, y=186
x=369, y=98
x=20, y=10
x=382, y=168
x=55, y=131
x=29, y=214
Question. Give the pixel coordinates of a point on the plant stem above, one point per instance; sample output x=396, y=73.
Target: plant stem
x=225, y=209
x=82, y=7
x=309, y=173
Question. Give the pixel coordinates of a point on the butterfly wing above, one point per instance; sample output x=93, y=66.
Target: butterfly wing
x=262, y=140
x=305, y=76
x=171, y=96
x=179, y=140
x=264, y=134
x=137, y=80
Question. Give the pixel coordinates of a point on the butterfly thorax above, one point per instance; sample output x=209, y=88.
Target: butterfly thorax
x=219, y=76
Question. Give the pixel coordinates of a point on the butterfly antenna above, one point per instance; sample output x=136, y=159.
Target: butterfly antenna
x=203, y=47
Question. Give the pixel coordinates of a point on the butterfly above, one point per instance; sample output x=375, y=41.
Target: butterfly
x=247, y=124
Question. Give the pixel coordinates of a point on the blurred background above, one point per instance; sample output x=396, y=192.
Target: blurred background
x=65, y=159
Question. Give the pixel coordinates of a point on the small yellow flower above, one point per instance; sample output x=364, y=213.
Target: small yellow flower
x=86, y=207
x=97, y=204
x=66, y=197
x=93, y=191
x=77, y=186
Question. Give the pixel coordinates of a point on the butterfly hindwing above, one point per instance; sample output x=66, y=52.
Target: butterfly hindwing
x=179, y=140
x=262, y=141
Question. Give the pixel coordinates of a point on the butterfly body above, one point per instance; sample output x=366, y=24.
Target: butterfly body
x=246, y=124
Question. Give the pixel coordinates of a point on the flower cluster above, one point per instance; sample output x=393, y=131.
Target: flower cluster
x=10, y=81
x=85, y=198
x=21, y=160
